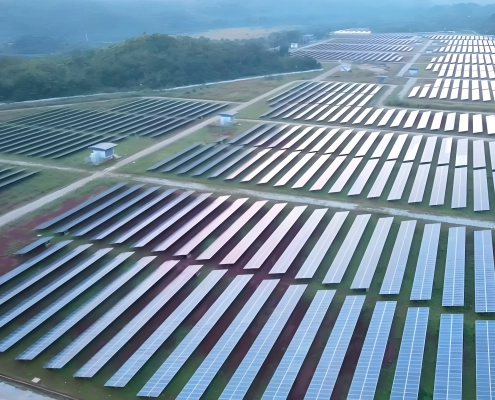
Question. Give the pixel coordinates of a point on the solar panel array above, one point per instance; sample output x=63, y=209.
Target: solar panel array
x=63, y=131
x=410, y=360
x=484, y=270
x=368, y=368
x=325, y=376
x=485, y=359
x=455, y=89
x=363, y=163
x=448, y=374
x=453, y=286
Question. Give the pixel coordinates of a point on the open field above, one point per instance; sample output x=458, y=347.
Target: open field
x=367, y=73
x=240, y=91
x=240, y=33
x=34, y=187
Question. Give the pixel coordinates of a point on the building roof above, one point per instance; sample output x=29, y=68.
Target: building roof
x=102, y=146
x=227, y=114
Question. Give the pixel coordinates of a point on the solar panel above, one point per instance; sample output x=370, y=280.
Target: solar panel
x=439, y=186
x=485, y=359
x=437, y=121
x=303, y=180
x=41, y=294
x=480, y=190
x=34, y=245
x=220, y=170
x=294, y=170
x=40, y=274
x=492, y=154
x=328, y=173
x=293, y=249
x=262, y=166
x=352, y=143
x=252, y=362
x=386, y=117
x=280, y=165
x=158, y=337
x=196, y=386
x=338, y=142
x=461, y=158
x=231, y=231
x=484, y=272
x=183, y=351
x=453, y=285
x=204, y=157
x=400, y=182
x=192, y=223
x=82, y=311
x=81, y=206
x=412, y=117
x=410, y=360
x=253, y=234
x=33, y=261
x=366, y=146
x=419, y=184
x=116, y=211
x=448, y=374
x=133, y=215
x=173, y=219
x=253, y=135
x=369, y=262
x=398, y=259
x=327, y=371
x=345, y=175
x=153, y=217
x=365, y=380
x=425, y=267
x=398, y=118
x=297, y=138
x=459, y=192
x=103, y=322
x=363, y=177
x=62, y=301
x=412, y=151
x=316, y=256
x=479, y=160
x=324, y=141
x=210, y=228
x=311, y=139
x=346, y=251
x=275, y=238
x=184, y=160
x=271, y=135
x=381, y=180
x=246, y=165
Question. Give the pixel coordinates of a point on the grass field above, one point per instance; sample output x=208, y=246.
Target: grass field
x=367, y=73
x=34, y=187
x=240, y=33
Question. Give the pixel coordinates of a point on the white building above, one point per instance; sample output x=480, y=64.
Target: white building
x=227, y=118
x=101, y=152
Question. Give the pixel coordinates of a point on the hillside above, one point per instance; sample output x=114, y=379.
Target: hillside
x=148, y=61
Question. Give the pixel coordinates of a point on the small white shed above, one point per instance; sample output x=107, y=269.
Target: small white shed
x=101, y=153
x=227, y=118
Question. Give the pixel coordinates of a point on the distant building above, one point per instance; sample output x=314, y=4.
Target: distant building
x=227, y=118
x=101, y=152
x=308, y=38
x=345, y=68
x=413, y=71
x=294, y=45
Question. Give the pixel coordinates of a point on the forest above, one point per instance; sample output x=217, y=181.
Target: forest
x=148, y=61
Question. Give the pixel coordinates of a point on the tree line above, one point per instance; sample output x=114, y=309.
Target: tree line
x=148, y=61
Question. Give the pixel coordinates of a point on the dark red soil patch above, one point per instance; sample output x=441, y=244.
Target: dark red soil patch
x=20, y=235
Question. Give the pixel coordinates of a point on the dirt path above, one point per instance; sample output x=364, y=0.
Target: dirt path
x=45, y=166
x=311, y=200
x=413, y=60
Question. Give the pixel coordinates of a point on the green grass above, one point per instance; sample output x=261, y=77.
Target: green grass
x=32, y=188
x=241, y=91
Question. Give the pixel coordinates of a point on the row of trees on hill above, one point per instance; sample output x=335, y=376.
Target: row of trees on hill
x=148, y=61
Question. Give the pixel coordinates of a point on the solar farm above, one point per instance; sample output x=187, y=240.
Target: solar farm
x=326, y=245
